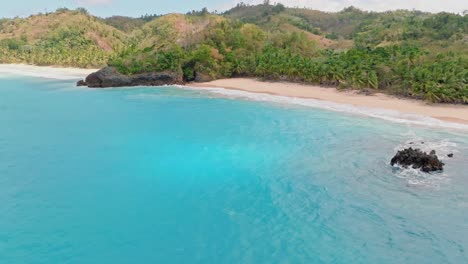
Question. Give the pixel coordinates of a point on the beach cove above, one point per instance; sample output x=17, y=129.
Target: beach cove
x=233, y=132
x=376, y=105
x=181, y=175
x=443, y=112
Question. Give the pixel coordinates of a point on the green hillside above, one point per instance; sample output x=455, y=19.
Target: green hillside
x=366, y=29
x=68, y=38
x=408, y=53
x=277, y=18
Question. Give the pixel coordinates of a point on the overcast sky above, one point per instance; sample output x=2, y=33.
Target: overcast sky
x=11, y=8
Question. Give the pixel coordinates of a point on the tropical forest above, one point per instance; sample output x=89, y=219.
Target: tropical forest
x=405, y=53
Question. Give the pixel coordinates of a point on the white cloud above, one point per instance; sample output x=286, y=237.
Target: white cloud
x=456, y=6
x=93, y=2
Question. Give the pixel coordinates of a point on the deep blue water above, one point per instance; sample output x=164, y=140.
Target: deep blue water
x=168, y=175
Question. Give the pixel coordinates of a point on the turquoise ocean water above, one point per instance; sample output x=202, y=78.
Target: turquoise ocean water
x=172, y=175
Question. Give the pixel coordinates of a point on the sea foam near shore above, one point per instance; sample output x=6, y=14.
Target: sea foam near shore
x=44, y=71
x=384, y=114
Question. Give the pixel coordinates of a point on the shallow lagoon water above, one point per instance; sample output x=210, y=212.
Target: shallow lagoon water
x=172, y=175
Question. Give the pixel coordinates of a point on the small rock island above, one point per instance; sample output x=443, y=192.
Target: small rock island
x=418, y=159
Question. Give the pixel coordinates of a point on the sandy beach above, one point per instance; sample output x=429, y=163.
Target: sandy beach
x=443, y=112
x=50, y=72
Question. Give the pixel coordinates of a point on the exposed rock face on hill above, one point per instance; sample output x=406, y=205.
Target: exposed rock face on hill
x=201, y=77
x=418, y=159
x=110, y=77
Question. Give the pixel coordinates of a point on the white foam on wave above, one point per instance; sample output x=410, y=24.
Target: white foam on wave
x=442, y=147
x=7, y=70
x=417, y=178
x=388, y=115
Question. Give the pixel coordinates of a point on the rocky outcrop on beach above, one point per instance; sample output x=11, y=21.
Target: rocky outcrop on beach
x=203, y=77
x=418, y=159
x=110, y=77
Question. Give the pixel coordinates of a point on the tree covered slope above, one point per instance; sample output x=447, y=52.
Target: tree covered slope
x=409, y=53
x=68, y=38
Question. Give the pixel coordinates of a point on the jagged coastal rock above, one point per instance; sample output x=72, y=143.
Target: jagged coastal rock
x=201, y=77
x=418, y=159
x=110, y=77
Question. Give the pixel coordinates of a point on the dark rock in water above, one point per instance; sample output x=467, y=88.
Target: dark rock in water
x=450, y=155
x=110, y=77
x=418, y=159
x=81, y=83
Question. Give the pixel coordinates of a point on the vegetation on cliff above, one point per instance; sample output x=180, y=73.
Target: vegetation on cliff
x=65, y=37
x=409, y=53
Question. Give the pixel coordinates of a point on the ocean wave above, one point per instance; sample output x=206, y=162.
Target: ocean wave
x=417, y=178
x=7, y=70
x=384, y=114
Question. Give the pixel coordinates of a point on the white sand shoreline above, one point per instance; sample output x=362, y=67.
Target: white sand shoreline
x=50, y=72
x=378, y=105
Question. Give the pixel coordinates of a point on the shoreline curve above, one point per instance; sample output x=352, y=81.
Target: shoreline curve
x=411, y=108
